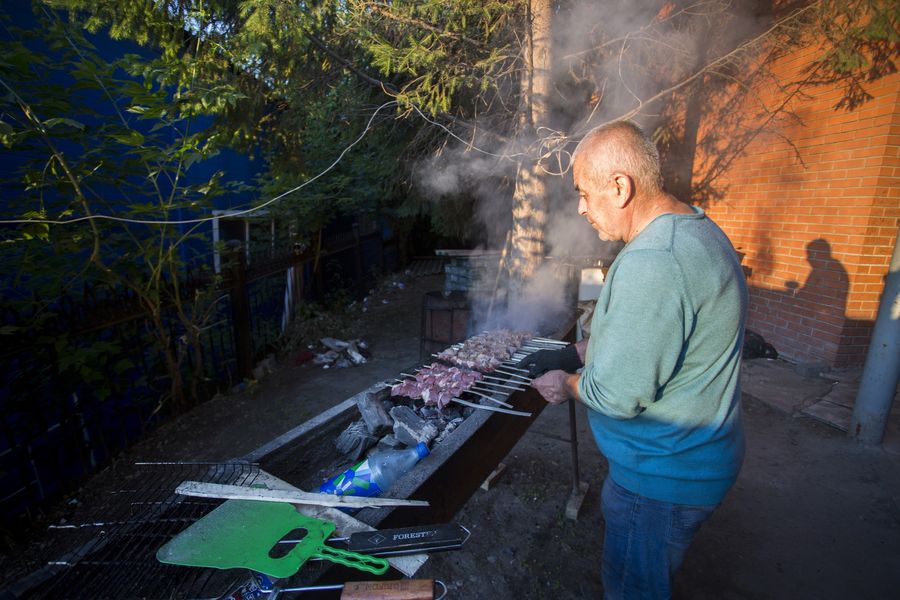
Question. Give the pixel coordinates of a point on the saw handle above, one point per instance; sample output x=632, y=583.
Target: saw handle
x=354, y=560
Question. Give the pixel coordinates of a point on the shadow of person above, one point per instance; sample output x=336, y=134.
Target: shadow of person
x=824, y=294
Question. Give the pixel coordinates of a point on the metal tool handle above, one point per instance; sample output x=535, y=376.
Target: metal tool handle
x=372, y=564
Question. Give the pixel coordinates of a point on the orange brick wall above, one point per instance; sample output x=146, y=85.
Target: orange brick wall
x=815, y=206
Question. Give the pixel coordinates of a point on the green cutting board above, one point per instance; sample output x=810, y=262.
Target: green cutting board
x=242, y=533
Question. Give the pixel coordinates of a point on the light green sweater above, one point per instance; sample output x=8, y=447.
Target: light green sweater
x=663, y=360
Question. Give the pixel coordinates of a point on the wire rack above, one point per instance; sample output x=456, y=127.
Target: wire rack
x=114, y=554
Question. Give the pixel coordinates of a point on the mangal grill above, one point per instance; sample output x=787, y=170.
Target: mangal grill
x=114, y=555
x=111, y=553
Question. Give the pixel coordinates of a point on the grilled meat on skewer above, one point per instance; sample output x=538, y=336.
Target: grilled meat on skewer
x=486, y=351
x=437, y=384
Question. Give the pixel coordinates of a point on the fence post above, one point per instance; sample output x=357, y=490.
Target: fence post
x=240, y=310
x=357, y=256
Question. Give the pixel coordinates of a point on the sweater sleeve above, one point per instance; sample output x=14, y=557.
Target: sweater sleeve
x=638, y=341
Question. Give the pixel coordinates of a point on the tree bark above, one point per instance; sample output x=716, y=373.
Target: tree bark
x=529, y=206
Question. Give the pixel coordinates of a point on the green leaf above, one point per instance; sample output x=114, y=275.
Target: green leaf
x=129, y=138
x=123, y=365
x=51, y=123
x=39, y=231
x=7, y=134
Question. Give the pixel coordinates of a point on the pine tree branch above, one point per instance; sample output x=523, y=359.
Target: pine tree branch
x=387, y=88
x=384, y=10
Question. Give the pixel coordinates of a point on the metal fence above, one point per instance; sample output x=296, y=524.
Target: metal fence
x=88, y=383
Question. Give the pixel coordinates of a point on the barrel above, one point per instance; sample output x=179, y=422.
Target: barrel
x=445, y=321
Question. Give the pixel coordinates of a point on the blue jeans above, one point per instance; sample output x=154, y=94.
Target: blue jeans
x=644, y=542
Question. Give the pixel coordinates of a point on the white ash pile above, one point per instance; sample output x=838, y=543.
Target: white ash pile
x=339, y=354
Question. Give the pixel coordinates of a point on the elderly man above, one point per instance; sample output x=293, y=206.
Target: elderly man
x=661, y=365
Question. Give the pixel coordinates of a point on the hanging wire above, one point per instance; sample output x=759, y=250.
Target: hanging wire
x=555, y=141
x=212, y=218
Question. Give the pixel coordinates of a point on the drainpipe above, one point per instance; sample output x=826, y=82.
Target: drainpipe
x=882, y=369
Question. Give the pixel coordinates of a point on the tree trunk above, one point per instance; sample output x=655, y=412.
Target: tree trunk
x=529, y=207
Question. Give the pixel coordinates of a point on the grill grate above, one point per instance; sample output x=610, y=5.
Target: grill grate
x=114, y=554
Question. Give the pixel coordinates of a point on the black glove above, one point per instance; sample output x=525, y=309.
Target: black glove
x=542, y=361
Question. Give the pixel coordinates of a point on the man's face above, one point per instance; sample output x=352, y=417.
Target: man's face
x=595, y=203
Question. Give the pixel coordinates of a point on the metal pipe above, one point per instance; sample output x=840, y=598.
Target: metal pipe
x=573, y=436
x=882, y=367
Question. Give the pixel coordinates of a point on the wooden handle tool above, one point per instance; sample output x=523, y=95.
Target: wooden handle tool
x=401, y=589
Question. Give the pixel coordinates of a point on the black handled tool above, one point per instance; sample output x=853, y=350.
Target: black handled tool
x=408, y=540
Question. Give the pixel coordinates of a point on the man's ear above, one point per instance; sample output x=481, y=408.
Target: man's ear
x=624, y=189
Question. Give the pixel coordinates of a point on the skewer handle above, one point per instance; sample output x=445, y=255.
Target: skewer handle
x=521, y=377
x=501, y=385
x=550, y=341
x=492, y=408
x=491, y=398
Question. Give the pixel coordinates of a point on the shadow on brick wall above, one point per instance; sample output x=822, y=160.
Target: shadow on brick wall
x=808, y=323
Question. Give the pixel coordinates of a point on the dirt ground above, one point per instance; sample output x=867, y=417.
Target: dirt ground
x=813, y=515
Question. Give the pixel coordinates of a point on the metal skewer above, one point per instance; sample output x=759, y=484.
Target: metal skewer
x=502, y=385
x=550, y=341
x=491, y=408
x=475, y=392
x=486, y=397
x=522, y=377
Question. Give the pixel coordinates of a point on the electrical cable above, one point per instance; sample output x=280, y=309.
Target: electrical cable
x=205, y=219
x=283, y=194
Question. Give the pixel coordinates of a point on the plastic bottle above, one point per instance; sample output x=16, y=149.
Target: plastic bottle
x=375, y=474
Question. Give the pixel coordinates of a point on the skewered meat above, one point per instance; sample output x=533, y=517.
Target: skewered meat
x=486, y=351
x=437, y=384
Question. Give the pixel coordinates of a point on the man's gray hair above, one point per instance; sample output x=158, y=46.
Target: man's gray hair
x=621, y=146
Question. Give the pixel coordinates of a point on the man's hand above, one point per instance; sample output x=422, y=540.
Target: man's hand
x=542, y=361
x=553, y=386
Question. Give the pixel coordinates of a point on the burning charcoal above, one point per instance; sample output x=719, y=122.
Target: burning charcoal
x=452, y=413
x=355, y=440
x=388, y=442
x=447, y=431
x=409, y=428
x=371, y=408
x=428, y=412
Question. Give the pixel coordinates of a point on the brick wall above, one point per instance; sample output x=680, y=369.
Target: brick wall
x=814, y=203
